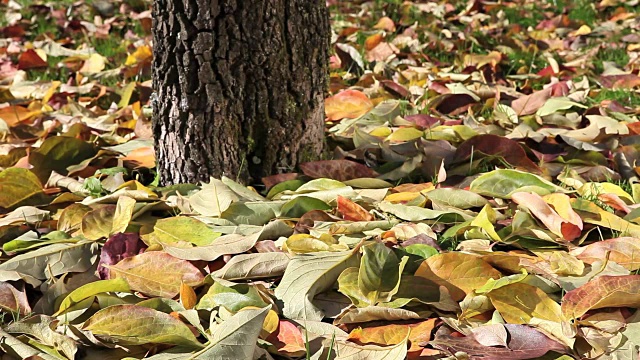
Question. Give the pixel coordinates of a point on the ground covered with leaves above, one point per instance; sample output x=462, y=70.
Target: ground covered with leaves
x=479, y=196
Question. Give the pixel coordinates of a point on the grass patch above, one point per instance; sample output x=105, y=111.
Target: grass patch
x=623, y=96
x=584, y=11
x=524, y=16
x=617, y=55
x=531, y=60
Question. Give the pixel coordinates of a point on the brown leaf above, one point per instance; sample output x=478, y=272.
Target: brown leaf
x=373, y=41
x=523, y=343
x=13, y=300
x=341, y=170
x=385, y=23
x=31, y=60
x=494, y=145
x=624, y=251
x=156, y=273
x=604, y=291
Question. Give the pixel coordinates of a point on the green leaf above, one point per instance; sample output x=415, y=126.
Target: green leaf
x=233, y=298
x=254, y=266
x=485, y=220
x=19, y=187
x=179, y=229
x=54, y=260
x=555, y=104
x=57, y=153
x=291, y=185
x=348, y=285
x=421, y=250
x=301, y=205
x=137, y=325
x=458, y=198
x=16, y=349
x=308, y=275
x=224, y=245
x=416, y=213
x=242, y=190
x=379, y=272
x=504, y=182
x=91, y=289
x=252, y=213
x=42, y=329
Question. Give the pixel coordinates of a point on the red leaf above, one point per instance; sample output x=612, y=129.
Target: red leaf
x=495, y=145
x=31, y=60
x=273, y=180
x=119, y=246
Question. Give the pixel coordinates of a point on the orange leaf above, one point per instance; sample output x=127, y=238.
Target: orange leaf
x=143, y=157
x=12, y=115
x=385, y=23
x=604, y=291
x=288, y=339
x=352, y=211
x=460, y=273
x=372, y=41
x=188, y=297
x=391, y=334
x=347, y=104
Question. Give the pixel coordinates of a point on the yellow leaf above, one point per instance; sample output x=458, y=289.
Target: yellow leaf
x=405, y=134
x=485, y=220
x=94, y=64
x=382, y=131
x=593, y=189
x=407, y=198
x=142, y=54
x=460, y=273
x=518, y=303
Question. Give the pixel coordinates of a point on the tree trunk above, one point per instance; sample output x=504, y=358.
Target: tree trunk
x=239, y=86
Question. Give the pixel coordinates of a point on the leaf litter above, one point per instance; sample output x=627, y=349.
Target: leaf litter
x=480, y=194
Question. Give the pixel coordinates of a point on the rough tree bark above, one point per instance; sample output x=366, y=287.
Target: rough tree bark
x=239, y=86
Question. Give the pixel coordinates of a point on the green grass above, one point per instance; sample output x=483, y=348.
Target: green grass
x=623, y=96
x=523, y=16
x=531, y=60
x=617, y=55
x=584, y=11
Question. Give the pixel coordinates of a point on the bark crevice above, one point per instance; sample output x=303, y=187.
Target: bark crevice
x=240, y=86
